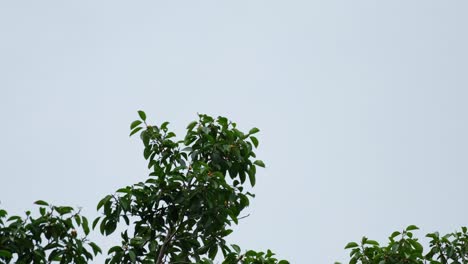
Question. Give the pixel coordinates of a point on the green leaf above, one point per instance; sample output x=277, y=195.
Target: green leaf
x=412, y=227
x=236, y=248
x=115, y=249
x=253, y=131
x=135, y=124
x=110, y=227
x=170, y=134
x=142, y=115
x=78, y=220
x=41, y=202
x=191, y=125
x=103, y=201
x=95, y=222
x=124, y=190
x=132, y=256
x=418, y=247
x=164, y=126
x=63, y=209
x=254, y=141
x=96, y=248
x=135, y=130
x=14, y=217
x=395, y=234
x=213, y=251
x=351, y=245
x=372, y=242
x=85, y=225
x=259, y=163
x=226, y=232
x=4, y=253
x=251, y=173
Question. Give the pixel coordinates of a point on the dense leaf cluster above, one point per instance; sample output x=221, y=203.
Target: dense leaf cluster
x=58, y=234
x=182, y=213
x=404, y=248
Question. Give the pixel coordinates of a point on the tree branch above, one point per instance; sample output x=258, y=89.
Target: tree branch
x=162, y=251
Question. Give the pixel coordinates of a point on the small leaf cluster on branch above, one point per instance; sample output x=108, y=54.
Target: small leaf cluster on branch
x=404, y=248
x=182, y=213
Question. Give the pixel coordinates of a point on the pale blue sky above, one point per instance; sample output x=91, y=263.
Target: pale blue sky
x=362, y=107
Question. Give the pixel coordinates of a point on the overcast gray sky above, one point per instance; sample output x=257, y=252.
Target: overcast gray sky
x=362, y=107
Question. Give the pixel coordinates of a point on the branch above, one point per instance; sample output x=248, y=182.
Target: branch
x=167, y=239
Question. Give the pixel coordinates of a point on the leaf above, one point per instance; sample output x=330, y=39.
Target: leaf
x=254, y=141
x=103, y=201
x=226, y=232
x=412, y=227
x=191, y=125
x=213, y=251
x=372, y=242
x=95, y=222
x=78, y=220
x=351, y=245
x=236, y=248
x=253, y=131
x=418, y=247
x=96, y=248
x=85, y=225
x=4, y=253
x=135, y=124
x=132, y=256
x=110, y=227
x=395, y=234
x=259, y=163
x=170, y=134
x=15, y=217
x=164, y=126
x=142, y=115
x=41, y=202
x=135, y=130
x=251, y=173
x=63, y=209
x=115, y=249
x=124, y=190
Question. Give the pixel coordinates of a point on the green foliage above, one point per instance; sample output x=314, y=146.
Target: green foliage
x=403, y=247
x=58, y=234
x=183, y=212
x=250, y=257
x=195, y=192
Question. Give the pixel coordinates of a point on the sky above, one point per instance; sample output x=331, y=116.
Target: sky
x=362, y=107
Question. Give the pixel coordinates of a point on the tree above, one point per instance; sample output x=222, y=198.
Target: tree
x=403, y=247
x=196, y=190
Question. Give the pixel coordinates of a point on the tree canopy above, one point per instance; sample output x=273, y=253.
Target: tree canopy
x=196, y=190
x=403, y=247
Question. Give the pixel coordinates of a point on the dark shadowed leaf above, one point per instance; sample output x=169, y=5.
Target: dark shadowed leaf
x=4, y=253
